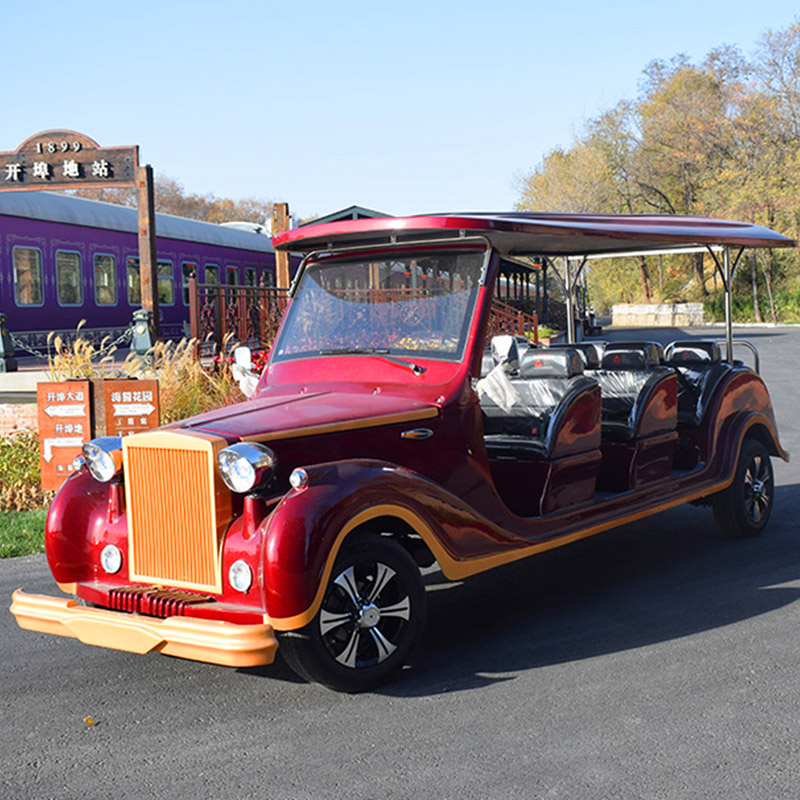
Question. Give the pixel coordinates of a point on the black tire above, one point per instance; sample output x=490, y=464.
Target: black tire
x=370, y=620
x=744, y=508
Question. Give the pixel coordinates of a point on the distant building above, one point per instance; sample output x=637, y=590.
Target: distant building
x=351, y=212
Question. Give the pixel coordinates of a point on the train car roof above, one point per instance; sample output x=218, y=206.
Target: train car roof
x=523, y=233
x=51, y=207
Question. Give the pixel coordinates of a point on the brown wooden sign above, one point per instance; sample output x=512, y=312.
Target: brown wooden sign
x=65, y=425
x=130, y=406
x=67, y=160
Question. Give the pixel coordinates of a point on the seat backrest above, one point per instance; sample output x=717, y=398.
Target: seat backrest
x=700, y=369
x=505, y=351
x=632, y=355
x=545, y=376
x=629, y=371
x=591, y=352
x=680, y=354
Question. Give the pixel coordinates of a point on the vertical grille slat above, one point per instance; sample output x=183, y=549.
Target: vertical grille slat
x=173, y=521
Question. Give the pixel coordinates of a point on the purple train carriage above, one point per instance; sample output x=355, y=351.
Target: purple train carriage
x=64, y=259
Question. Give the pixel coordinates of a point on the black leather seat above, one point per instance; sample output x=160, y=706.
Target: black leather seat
x=700, y=369
x=548, y=380
x=629, y=374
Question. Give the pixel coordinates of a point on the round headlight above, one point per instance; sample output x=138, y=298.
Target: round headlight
x=240, y=576
x=111, y=559
x=104, y=457
x=245, y=465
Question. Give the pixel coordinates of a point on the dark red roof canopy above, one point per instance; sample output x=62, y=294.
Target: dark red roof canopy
x=521, y=233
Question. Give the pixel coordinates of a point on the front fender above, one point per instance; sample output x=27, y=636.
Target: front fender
x=76, y=514
x=305, y=531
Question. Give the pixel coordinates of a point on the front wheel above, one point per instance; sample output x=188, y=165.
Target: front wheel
x=370, y=620
x=744, y=508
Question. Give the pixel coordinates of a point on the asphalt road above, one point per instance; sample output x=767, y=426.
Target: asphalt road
x=659, y=660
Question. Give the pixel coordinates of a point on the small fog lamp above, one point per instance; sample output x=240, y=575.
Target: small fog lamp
x=246, y=465
x=240, y=576
x=104, y=457
x=298, y=479
x=111, y=559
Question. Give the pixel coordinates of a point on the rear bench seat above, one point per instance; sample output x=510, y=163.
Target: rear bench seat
x=544, y=452
x=639, y=415
x=700, y=369
x=546, y=383
x=629, y=375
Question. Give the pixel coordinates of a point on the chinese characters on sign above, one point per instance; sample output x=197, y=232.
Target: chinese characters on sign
x=66, y=159
x=65, y=423
x=130, y=406
x=73, y=412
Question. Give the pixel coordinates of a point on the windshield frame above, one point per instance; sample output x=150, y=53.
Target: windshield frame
x=417, y=249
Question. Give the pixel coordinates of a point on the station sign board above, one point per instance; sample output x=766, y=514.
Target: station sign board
x=64, y=159
x=65, y=425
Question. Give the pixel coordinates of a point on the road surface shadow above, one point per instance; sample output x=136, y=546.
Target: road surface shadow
x=666, y=577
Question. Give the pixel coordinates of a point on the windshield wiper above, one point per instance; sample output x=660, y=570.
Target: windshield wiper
x=374, y=351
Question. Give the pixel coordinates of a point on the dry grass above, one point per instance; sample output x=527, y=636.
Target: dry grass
x=78, y=358
x=185, y=386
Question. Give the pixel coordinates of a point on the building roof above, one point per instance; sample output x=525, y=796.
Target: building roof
x=351, y=212
x=63, y=208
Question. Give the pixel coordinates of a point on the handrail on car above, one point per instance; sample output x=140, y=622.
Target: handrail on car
x=745, y=343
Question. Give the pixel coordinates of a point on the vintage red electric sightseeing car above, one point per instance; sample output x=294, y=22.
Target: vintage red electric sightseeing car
x=386, y=434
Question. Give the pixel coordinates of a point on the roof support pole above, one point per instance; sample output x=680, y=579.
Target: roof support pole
x=726, y=269
x=570, y=304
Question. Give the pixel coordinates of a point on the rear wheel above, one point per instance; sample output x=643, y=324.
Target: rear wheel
x=744, y=508
x=370, y=620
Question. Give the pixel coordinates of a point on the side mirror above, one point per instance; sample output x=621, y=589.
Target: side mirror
x=243, y=358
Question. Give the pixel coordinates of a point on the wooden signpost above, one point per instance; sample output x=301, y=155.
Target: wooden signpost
x=73, y=412
x=65, y=425
x=130, y=406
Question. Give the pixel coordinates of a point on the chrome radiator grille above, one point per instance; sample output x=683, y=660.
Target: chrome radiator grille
x=175, y=518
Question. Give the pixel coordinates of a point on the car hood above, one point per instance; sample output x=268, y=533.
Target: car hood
x=282, y=416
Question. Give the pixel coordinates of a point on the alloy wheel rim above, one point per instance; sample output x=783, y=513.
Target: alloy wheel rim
x=364, y=615
x=757, y=489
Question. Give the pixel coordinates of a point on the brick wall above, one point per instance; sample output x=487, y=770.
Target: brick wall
x=15, y=416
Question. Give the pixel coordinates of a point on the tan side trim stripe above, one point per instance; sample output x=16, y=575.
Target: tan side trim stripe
x=455, y=569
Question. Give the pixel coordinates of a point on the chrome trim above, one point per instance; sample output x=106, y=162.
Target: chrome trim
x=417, y=433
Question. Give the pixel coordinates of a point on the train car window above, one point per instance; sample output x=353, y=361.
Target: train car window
x=133, y=280
x=105, y=280
x=250, y=276
x=69, y=278
x=166, y=284
x=28, y=286
x=187, y=269
x=231, y=276
x=212, y=274
x=268, y=278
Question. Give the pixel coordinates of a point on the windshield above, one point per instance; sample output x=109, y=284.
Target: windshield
x=415, y=303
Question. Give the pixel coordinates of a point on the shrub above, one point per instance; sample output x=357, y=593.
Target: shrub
x=19, y=473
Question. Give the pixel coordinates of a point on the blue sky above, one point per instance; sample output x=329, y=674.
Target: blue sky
x=405, y=107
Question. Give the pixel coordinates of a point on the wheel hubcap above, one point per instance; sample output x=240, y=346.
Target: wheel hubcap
x=364, y=615
x=757, y=490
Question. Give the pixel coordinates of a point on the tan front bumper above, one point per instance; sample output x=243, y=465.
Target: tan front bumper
x=213, y=641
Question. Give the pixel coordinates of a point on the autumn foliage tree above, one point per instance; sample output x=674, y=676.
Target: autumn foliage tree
x=718, y=138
